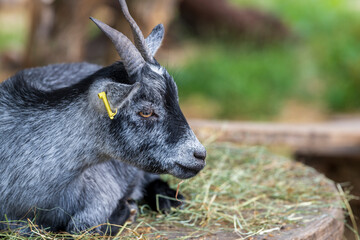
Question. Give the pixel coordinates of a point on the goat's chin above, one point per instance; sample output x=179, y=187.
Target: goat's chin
x=182, y=172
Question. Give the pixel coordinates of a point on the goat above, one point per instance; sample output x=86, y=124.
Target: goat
x=68, y=166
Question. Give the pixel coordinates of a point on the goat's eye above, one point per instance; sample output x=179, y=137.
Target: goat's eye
x=146, y=113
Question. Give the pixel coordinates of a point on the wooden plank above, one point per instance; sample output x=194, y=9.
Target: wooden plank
x=329, y=226
x=296, y=136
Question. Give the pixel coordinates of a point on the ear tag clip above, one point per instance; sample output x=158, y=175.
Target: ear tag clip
x=103, y=97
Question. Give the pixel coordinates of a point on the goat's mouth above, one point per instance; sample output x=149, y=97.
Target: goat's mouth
x=186, y=171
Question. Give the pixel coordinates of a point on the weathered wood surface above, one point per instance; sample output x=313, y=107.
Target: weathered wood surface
x=332, y=135
x=328, y=226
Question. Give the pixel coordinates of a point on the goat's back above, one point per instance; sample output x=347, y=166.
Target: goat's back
x=56, y=76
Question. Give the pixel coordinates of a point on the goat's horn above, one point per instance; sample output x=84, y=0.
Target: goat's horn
x=132, y=58
x=138, y=36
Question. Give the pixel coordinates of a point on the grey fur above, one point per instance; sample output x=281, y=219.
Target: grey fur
x=67, y=166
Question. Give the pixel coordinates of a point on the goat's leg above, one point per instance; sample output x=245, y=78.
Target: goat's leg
x=153, y=190
x=120, y=215
x=100, y=219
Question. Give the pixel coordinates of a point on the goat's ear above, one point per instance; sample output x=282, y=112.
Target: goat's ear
x=117, y=95
x=154, y=40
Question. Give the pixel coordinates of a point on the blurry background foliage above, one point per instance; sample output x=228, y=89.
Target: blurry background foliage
x=319, y=68
x=312, y=74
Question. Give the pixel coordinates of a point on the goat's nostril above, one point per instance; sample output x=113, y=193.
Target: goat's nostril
x=201, y=155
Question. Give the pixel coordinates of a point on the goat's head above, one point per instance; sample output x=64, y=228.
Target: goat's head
x=149, y=130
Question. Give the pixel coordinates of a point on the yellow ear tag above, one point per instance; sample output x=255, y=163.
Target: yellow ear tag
x=103, y=97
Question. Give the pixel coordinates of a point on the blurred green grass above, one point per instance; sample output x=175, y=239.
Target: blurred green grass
x=13, y=29
x=243, y=80
x=320, y=66
x=11, y=40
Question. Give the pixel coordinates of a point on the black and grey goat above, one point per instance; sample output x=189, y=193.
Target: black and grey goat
x=66, y=165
